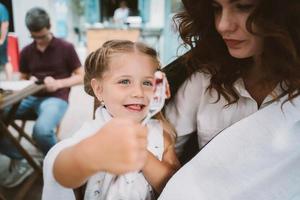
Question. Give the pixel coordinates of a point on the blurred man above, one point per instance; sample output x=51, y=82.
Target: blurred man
x=54, y=62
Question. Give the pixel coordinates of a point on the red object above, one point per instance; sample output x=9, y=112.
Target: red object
x=13, y=51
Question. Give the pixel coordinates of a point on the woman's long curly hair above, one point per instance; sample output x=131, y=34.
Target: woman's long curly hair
x=278, y=23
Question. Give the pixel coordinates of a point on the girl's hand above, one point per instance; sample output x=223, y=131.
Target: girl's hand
x=159, y=172
x=119, y=147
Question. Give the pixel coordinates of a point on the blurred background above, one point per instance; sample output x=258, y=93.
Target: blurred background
x=87, y=24
x=83, y=22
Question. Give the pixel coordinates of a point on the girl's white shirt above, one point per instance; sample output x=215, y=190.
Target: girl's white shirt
x=131, y=186
x=195, y=109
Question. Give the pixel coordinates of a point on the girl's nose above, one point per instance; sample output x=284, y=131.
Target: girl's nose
x=138, y=91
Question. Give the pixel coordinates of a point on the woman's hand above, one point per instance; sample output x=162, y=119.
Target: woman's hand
x=168, y=91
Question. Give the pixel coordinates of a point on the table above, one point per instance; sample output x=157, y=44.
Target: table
x=97, y=36
x=13, y=100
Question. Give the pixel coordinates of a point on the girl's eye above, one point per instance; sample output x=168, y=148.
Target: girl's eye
x=125, y=82
x=148, y=83
x=245, y=7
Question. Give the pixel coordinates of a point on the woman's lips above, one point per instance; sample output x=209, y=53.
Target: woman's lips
x=233, y=43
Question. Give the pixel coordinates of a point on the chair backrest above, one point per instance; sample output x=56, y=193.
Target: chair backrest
x=13, y=51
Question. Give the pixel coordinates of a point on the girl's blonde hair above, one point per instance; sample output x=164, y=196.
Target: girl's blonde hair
x=98, y=61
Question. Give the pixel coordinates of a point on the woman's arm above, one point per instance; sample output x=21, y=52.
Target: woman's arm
x=118, y=147
x=159, y=172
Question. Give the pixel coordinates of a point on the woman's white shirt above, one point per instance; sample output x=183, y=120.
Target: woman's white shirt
x=256, y=158
x=195, y=108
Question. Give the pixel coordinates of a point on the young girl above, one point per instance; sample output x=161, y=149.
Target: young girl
x=120, y=75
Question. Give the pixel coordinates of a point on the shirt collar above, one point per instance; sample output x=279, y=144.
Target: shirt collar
x=52, y=42
x=241, y=90
x=102, y=114
x=50, y=45
x=278, y=90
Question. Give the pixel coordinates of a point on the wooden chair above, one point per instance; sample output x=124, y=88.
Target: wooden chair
x=2, y=197
x=23, y=125
x=26, y=186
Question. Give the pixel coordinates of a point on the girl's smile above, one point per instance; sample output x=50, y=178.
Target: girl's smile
x=127, y=86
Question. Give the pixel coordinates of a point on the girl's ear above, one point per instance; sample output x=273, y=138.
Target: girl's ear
x=97, y=88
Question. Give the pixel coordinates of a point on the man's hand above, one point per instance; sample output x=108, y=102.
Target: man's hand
x=52, y=84
x=33, y=78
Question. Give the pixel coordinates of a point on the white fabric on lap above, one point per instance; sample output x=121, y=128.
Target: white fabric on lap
x=256, y=158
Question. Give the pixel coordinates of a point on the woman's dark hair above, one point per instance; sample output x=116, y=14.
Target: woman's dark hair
x=36, y=19
x=276, y=21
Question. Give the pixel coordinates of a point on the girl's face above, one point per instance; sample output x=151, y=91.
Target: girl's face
x=127, y=86
x=230, y=22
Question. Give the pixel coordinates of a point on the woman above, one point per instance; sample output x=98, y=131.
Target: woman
x=244, y=57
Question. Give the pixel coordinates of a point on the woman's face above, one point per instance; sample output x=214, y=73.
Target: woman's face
x=230, y=22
